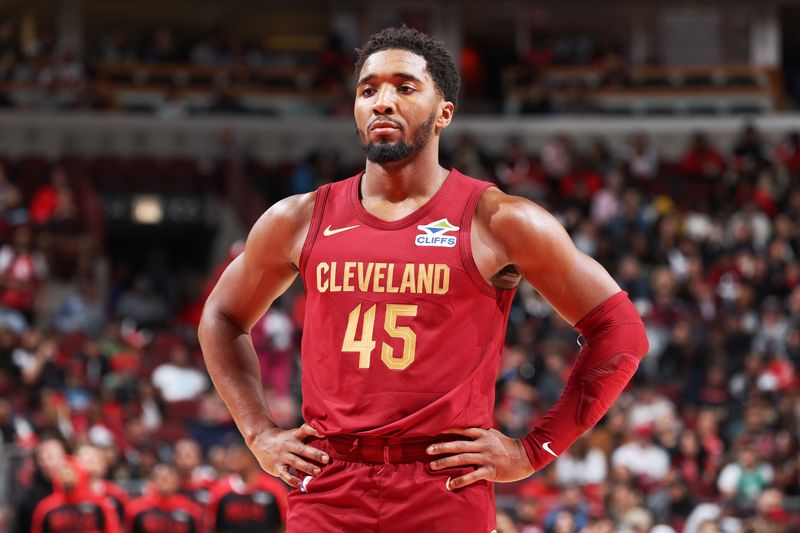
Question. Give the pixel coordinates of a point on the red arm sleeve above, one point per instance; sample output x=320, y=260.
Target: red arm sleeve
x=615, y=343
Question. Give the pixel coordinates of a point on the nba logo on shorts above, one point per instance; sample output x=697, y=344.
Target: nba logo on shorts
x=435, y=234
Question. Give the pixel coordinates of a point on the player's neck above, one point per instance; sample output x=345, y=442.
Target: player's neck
x=419, y=176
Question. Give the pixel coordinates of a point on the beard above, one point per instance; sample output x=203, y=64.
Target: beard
x=389, y=152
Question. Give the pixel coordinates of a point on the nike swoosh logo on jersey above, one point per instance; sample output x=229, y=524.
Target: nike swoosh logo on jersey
x=546, y=447
x=328, y=231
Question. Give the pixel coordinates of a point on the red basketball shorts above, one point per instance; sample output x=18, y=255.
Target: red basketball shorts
x=381, y=486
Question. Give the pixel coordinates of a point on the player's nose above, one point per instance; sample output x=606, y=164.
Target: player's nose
x=384, y=103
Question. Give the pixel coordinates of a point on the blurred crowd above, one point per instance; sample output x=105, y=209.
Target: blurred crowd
x=220, y=71
x=52, y=75
x=104, y=398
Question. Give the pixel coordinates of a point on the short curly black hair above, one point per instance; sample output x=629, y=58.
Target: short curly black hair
x=440, y=63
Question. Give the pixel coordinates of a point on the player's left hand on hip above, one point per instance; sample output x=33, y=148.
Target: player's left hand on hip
x=498, y=458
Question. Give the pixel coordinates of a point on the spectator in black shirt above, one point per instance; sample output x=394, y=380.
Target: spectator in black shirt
x=248, y=500
x=49, y=455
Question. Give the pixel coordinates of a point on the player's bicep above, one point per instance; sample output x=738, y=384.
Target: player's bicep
x=572, y=282
x=267, y=266
x=248, y=287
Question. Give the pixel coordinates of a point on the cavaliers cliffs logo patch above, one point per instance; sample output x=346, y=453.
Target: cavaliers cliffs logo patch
x=435, y=234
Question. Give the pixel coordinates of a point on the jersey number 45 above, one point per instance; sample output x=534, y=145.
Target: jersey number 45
x=366, y=344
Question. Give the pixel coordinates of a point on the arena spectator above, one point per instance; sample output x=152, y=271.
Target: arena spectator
x=47, y=197
x=468, y=155
x=519, y=172
x=580, y=184
x=624, y=506
x=787, y=155
x=247, y=500
x=163, y=48
x=672, y=503
x=196, y=478
x=641, y=157
x=712, y=518
x=95, y=461
x=645, y=460
x=73, y=506
x=606, y=202
x=22, y=272
x=143, y=305
x=163, y=508
x=743, y=480
x=582, y=465
x=117, y=47
x=65, y=73
x=650, y=408
x=82, y=311
x=572, y=508
x=49, y=455
x=273, y=337
x=749, y=155
x=12, y=210
x=178, y=380
x=701, y=159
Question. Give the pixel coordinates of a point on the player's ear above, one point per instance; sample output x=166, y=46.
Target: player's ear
x=446, y=110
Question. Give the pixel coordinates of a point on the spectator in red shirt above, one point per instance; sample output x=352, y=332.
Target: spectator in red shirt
x=48, y=198
x=701, y=159
x=787, y=154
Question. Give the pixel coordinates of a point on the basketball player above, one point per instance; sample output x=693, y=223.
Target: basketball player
x=410, y=269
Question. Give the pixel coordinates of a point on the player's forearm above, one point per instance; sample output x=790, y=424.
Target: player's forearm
x=233, y=366
x=615, y=343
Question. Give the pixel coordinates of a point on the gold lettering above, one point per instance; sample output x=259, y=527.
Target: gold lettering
x=322, y=268
x=378, y=277
x=390, y=279
x=364, y=277
x=442, y=279
x=407, y=285
x=334, y=286
x=425, y=279
x=347, y=286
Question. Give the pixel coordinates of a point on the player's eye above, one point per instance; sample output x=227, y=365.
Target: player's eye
x=406, y=89
x=367, y=91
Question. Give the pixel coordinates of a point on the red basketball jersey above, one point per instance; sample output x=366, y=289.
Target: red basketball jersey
x=402, y=335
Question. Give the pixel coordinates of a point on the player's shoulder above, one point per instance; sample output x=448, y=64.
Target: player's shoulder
x=285, y=219
x=507, y=215
x=293, y=208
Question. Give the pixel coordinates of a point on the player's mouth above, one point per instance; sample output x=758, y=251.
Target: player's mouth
x=383, y=127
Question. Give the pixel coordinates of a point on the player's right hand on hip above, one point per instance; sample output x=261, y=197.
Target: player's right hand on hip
x=278, y=450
